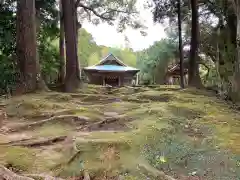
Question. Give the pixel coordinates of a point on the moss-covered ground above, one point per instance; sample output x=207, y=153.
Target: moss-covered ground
x=128, y=133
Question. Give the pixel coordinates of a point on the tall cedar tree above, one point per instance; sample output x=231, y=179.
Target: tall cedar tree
x=180, y=44
x=72, y=79
x=236, y=80
x=194, y=79
x=61, y=47
x=26, y=47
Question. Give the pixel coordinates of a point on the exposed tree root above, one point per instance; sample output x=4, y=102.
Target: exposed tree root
x=17, y=141
x=71, y=159
x=153, y=171
x=99, y=124
x=80, y=120
x=43, y=176
x=44, y=142
x=6, y=174
x=75, y=156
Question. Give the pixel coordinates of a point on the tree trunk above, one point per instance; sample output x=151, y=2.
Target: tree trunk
x=26, y=46
x=72, y=80
x=77, y=27
x=41, y=85
x=62, y=68
x=180, y=45
x=236, y=78
x=193, y=71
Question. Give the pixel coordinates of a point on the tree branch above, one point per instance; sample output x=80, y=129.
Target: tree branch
x=103, y=15
x=119, y=11
x=77, y=3
x=95, y=12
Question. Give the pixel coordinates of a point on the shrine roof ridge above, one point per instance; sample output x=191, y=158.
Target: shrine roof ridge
x=111, y=68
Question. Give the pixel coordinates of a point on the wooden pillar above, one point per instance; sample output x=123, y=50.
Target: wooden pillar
x=170, y=80
x=119, y=80
x=186, y=79
x=136, y=83
x=104, y=83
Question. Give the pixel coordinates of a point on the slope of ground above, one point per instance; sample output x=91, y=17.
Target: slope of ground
x=126, y=133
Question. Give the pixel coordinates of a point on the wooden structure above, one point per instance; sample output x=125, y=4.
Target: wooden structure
x=173, y=73
x=111, y=71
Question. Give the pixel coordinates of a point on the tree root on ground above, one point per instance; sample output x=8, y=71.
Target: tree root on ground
x=37, y=143
x=17, y=141
x=6, y=174
x=80, y=120
x=68, y=162
x=43, y=176
x=99, y=124
x=75, y=156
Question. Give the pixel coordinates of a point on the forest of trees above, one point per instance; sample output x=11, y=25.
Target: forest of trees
x=210, y=28
x=29, y=31
x=43, y=42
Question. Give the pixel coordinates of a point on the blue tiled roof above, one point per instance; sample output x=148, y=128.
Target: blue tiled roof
x=111, y=68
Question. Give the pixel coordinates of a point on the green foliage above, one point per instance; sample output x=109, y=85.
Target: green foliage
x=93, y=59
x=90, y=53
x=218, y=30
x=8, y=75
x=7, y=28
x=49, y=59
x=121, y=13
x=128, y=57
x=86, y=47
x=154, y=61
x=46, y=24
x=47, y=12
x=167, y=9
x=7, y=45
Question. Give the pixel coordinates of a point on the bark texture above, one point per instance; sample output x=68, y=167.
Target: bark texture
x=62, y=68
x=180, y=45
x=236, y=78
x=72, y=79
x=77, y=27
x=193, y=71
x=26, y=46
